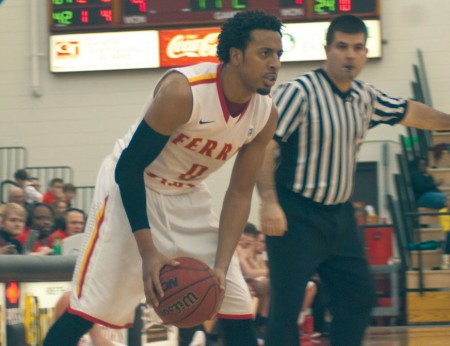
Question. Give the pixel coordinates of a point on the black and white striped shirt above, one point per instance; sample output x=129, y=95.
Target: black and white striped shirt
x=320, y=130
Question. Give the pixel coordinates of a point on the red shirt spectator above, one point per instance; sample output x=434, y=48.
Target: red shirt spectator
x=54, y=191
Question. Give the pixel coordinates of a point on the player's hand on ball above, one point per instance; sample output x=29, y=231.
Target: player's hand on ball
x=220, y=273
x=272, y=219
x=152, y=262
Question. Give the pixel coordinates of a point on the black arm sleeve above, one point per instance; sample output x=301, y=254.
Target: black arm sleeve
x=143, y=149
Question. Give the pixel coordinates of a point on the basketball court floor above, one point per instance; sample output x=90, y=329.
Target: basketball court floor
x=398, y=336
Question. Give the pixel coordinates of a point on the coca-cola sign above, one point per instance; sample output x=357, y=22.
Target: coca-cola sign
x=187, y=47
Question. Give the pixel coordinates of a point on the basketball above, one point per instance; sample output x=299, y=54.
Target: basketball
x=191, y=293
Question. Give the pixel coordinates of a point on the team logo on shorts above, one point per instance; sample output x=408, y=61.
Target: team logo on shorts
x=250, y=132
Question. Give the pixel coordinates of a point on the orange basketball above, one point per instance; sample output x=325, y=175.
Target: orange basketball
x=191, y=293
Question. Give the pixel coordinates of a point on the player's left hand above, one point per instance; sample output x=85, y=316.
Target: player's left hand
x=220, y=273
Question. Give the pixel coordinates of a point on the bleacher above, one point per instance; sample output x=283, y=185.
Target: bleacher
x=423, y=287
x=14, y=158
x=419, y=239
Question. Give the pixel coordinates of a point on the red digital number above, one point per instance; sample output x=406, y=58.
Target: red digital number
x=345, y=5
x=85, y=17
x=107, y=14
x=142, y=5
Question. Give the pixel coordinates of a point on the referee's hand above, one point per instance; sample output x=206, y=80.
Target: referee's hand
x=272, y=219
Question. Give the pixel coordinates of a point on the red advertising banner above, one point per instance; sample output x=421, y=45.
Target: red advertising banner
x=187, y=46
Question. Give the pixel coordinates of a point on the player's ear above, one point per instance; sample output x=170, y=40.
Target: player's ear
x=236, y=56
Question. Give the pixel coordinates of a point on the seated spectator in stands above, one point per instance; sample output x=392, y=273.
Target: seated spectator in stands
x=310, y=294
x=2, y=208
x=255, y=273
x=54, y=191
x=33, y=192
x=17, y=195
x=444, y=220
x=40, y=219
x=426, y=189
x=29, y=185
x=73, y=223
x=12, y=225
x=70, y=191
x=252, y=255
x=59, y=206
x=21, y=177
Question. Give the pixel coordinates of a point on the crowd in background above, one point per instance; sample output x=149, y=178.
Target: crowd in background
x=36, y=222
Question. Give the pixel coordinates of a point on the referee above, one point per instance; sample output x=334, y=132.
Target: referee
x=305, y=210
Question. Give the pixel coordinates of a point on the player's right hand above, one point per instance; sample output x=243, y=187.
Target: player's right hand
x=152, y=263
x=272, y=219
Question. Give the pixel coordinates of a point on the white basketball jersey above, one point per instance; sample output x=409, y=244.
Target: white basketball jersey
x=210, y=137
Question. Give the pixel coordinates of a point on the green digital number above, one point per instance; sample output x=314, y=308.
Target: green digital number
x=62, y=2
x=239, y=4
x=202, y=4
x=325, y=6
x=63, y=17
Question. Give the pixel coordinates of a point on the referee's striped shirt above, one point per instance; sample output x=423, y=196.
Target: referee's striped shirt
x=320, y=130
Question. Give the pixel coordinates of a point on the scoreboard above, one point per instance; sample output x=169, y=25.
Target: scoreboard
x=111, y=15
x=100, y=35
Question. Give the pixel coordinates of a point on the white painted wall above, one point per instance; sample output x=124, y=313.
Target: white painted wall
x=78, y=116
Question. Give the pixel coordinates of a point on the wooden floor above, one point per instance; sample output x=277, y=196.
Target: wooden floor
x=408, y=336
x=398, y=336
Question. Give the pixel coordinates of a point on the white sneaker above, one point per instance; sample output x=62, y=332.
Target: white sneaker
x=199, y=339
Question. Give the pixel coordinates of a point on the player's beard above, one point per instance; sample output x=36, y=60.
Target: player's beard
x=263, y=92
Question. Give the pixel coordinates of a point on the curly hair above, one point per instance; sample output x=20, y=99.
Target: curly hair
x=236, y=31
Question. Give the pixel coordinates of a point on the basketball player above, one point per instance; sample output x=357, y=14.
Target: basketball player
x=306, y=212
x=151, y=203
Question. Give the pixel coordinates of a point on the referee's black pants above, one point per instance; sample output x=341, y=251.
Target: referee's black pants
x=324, y=240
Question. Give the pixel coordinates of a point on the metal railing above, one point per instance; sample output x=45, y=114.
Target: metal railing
x=25, y=268
x=83, y=197
x=12, y=159
x=47, y=173
x=5, y=188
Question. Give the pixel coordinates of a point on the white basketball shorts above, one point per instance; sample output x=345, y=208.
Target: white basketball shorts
x=107, y=282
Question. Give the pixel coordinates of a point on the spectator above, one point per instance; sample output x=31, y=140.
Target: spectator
x=426, y=189
x=30, y=186
x=310, y=294
x=21, y=177
x=40, y=219
x=252, y=255
x=73, y=223
x=255, y=273
x=2, y=210
x=70, y=192
x=32, y=191
x=444, y=220
x=13, y=224
x=54, y=191
x=59, y=206
x=17, y=195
